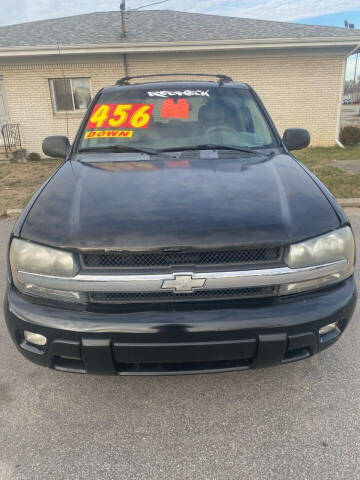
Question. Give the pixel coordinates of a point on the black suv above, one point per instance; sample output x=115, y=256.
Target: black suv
x=178, y=236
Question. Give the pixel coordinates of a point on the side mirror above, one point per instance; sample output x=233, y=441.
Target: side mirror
x=56, y=146
x=296, y=138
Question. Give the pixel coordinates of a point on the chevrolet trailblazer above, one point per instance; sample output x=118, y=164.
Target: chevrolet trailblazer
x=179, y=235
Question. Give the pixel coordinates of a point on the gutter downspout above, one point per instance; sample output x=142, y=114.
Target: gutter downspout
x=338, y=123
x=126, y=66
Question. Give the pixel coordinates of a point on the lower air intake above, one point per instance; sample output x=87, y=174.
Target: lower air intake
x=220, y=294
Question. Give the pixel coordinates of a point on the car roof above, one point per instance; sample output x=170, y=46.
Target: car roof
x=173, y=85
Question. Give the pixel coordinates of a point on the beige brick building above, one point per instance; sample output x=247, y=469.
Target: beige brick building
x=297, y=70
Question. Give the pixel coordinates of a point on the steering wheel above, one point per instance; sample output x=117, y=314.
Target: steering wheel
x=223, y=128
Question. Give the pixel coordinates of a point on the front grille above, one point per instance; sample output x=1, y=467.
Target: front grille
x=163, y=259
x=218, y=294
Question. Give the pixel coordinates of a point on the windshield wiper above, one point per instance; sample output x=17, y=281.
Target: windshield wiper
x=215, y=146
x=124, y=149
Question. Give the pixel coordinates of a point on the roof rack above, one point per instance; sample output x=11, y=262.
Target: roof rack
x=222, y=78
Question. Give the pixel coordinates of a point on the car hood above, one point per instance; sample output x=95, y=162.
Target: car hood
x=103, y=203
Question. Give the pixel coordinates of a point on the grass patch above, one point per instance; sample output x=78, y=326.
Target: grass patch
x=342, y=184
x=322, y=155
x=19, y=181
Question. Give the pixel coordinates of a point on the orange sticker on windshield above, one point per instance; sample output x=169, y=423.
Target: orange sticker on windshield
x=170, y=109
x=113, y=115
x=125, y=166
x=177, y=163
x=109, y=133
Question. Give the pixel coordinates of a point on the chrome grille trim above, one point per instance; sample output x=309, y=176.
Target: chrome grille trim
x=152, y=283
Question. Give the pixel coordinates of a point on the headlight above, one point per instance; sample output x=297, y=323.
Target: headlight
x=336, y=246
x=32, y=258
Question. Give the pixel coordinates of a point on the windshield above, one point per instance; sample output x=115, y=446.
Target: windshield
x=175, y=119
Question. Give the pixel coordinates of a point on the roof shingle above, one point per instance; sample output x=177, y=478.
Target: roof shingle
x=156, y=26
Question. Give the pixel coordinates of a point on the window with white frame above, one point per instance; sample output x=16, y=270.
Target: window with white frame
x=70, y=94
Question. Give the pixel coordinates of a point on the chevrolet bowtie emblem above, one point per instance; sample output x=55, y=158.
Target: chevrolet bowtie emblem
x=183, y=283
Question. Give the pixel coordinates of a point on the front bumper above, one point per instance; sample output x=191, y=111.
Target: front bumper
x=212, y=337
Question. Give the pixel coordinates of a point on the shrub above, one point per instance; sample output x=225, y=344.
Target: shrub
x=33, y=157
x=350, y=135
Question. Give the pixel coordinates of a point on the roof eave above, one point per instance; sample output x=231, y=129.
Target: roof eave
x=141, y=47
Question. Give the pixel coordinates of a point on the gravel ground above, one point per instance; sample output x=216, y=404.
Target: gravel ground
x=298, y=421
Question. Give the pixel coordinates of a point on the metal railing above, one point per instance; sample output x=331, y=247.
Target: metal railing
x=11, y=135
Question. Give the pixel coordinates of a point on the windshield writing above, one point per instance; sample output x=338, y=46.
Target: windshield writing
x=175, y=118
